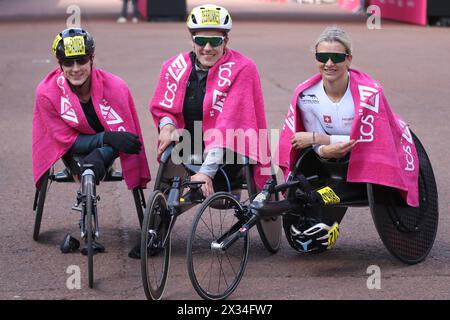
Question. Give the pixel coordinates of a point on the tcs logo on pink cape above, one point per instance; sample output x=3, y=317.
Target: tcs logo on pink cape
x=290, y=119
x=407, y=147
x=219, y=97
x=176, y=70
x=369, y=99
x=111, y=116
x=66, y=109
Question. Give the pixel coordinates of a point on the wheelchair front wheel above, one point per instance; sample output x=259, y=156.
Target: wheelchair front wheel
x=215, y=272
x=155, y=248
x=88, y=215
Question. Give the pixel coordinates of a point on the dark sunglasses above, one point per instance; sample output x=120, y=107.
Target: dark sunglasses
x=80, y=61
x=214, y=41
x=323, y=57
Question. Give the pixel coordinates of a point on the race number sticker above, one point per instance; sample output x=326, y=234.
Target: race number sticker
x=333, y=235
x=74, y=46
x=210, y=17
x=328, y=196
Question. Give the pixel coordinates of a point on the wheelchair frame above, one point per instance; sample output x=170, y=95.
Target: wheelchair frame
x=410, y=246
x=166, y=200
x=86, y=201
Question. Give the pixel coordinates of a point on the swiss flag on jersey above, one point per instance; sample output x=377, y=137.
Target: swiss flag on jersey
x=327, y=119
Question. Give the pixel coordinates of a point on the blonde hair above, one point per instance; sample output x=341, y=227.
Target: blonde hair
x=335, y=34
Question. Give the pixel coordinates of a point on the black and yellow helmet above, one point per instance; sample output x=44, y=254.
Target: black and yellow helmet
x=73, y=43
x=209, y=17
x=310, y=234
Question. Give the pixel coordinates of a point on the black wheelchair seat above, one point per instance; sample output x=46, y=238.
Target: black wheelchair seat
x=332, y=173
x=229, y=177
x=72, y=173
x=407, y=232
x=232, y=178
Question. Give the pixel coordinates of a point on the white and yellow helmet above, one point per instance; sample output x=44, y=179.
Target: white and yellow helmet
x=209, y=17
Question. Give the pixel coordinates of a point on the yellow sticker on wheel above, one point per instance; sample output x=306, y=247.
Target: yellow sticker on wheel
x=74, y=46
x=333, y=235
x=328, y=196
x=210, y=17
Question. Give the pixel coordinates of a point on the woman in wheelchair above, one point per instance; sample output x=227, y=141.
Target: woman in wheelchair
x=213, y=95
x=341, y=146
x=343, y=116
x=211, y=89
x=83, y=111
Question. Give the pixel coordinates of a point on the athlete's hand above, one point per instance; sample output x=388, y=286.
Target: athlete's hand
x=337, y=150
x=207, y=188
x=301, y=140
x=123, y=142
x=167, y=134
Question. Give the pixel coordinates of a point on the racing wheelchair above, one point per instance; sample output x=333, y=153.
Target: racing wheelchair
x=168, y=201
x=86, y=204
x=218, y=245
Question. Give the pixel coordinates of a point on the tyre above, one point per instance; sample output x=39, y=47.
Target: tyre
x=89, y=212
x=407, y=232
x=155, y=246
x=269, y=229
x=214, y=272
x=270, y=233
x=40, y=205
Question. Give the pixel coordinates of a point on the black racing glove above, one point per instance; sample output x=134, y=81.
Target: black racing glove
x=123, y=141
x=95, y=158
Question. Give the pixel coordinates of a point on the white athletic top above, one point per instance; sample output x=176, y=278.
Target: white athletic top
x=320, y=114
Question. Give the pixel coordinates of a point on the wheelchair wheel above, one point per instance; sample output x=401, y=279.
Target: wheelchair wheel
x=407, y=232
x=89, y=207
x=215, y=273
x=270, y=233
x=39, y=205
x=155, y=253
x=139, y=202
x=269, y=229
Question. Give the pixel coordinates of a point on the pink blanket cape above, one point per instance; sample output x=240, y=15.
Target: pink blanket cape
x=58, y=119
x=385, y=153
x=233, y=107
